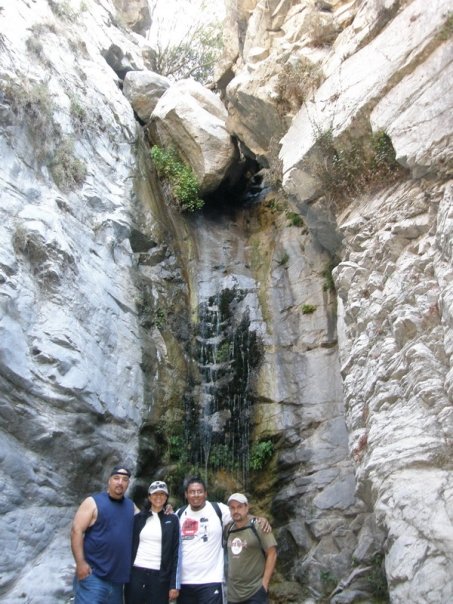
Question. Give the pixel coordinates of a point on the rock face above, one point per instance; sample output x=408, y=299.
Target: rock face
x=394, y=271
x=341, y=289
x=71, y=352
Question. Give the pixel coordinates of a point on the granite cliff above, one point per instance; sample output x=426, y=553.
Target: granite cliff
x=295, y=337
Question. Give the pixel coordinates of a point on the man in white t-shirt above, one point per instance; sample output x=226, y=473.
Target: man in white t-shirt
x=201, y=525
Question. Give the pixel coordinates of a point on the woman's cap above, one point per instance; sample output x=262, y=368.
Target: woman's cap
x=157, y=486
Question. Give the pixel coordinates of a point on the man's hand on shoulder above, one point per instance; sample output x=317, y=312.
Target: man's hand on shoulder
x=264, y=524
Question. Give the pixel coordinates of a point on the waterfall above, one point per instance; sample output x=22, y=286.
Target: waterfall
x=226, y=350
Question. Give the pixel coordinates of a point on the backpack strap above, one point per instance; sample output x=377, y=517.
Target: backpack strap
x=218, y=511
x=214, y=504
x=230, y=528
x=226, y=533
x=180, y=511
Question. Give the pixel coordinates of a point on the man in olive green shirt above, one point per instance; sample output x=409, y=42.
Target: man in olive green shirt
x=252, y=555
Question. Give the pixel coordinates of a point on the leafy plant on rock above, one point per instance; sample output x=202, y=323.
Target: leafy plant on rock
x=180, y=177
x=261, y=453
x=308, y=309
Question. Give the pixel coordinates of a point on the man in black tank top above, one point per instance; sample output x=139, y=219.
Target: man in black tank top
x=101, y=542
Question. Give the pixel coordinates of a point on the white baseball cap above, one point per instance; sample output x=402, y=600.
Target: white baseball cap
x=239, y=497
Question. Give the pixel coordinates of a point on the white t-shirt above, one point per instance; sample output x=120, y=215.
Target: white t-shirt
x=201, y=540
x=150, y=545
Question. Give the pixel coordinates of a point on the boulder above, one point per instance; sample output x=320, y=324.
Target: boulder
x=143, y=90
x=192, y=119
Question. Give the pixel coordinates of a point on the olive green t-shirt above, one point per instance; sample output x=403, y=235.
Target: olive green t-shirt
x=246, y=561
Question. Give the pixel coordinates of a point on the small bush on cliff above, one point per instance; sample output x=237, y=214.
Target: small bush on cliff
x=308, y=309
x=260, y=454
x=329, y=284
x=181, y=179
x=67, y=170
x=347, y=168
x=377, y=579
x=294, y=84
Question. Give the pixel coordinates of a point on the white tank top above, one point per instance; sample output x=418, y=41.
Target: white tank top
x=150, y=545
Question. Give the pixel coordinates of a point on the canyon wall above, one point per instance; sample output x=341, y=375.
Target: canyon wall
x=346, y=75
x=340, y=266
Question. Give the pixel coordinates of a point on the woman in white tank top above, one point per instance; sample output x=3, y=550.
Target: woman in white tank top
x=155, y=552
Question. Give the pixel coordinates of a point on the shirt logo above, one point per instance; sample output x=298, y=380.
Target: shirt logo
x=236, y=546
x=189, y=528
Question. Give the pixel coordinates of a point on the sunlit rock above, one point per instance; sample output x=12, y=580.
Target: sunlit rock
x=191, y=118
x=343, y=100
x=143, y=89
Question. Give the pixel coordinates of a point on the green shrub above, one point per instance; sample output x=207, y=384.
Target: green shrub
x=183, y=183
x=274, y=206
x=329, y=284
x=176, y=448
x=260, y=453
x=377, y=579
x=221, y=457
x=295, y=219
x=283, y=260
x=223, y=353
x=78, y=113
x=328, y=581
x=308, y=309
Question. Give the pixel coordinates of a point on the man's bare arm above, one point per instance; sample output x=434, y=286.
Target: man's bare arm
x=84, y=518
x=269, y=567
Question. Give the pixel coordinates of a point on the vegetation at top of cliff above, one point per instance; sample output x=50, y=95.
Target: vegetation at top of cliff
x=182, y=182
x=188, y=52
x=348, y=168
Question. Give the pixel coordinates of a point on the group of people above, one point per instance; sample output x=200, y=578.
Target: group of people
x=154, y=556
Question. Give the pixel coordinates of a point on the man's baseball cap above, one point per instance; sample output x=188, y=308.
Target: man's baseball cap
x=239, y=497
x=120, y=470
x=157, y=486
